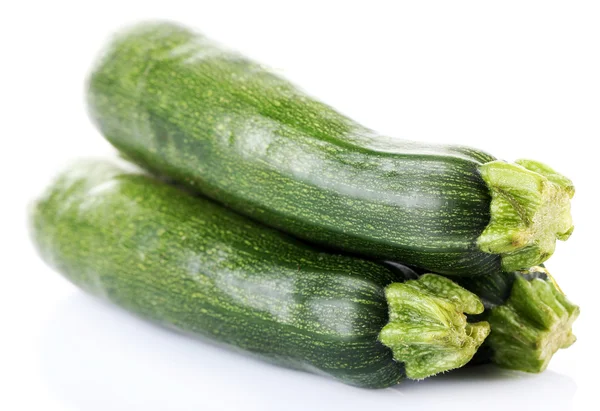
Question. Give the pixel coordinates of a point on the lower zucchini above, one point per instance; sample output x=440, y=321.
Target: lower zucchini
x=191, y=264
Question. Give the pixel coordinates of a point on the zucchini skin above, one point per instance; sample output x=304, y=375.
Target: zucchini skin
x=184, y=108
x=195, y=266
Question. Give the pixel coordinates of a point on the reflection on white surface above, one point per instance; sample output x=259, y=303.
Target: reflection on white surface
x=96, y=357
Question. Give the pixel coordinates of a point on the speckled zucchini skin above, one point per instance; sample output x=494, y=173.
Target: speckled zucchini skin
x=203, y=269
x=183, y=107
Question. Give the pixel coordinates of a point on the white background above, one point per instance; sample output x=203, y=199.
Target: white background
x=517, y=79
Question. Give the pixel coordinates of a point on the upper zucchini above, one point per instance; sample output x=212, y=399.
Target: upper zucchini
x=181, y=106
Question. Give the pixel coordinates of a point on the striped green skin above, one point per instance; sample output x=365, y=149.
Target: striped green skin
x=493, y=290
x=185, y=108
x=203, y=269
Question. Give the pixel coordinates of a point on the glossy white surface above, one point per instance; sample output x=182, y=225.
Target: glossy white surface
x=518, y=79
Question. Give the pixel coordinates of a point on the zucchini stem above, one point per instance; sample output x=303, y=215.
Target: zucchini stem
x=428, y=329
x=530, y=209
x=535, y=322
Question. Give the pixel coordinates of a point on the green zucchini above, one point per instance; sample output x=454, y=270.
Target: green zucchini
x=185, y=108
x=529, y=315
x=191, y=264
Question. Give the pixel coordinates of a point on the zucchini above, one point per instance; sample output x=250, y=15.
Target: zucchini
x=195, y=266
x=529, y=315
x=185, y=108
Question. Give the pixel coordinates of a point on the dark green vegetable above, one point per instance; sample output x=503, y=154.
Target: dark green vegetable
x=191, y=264
x=183, y=107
